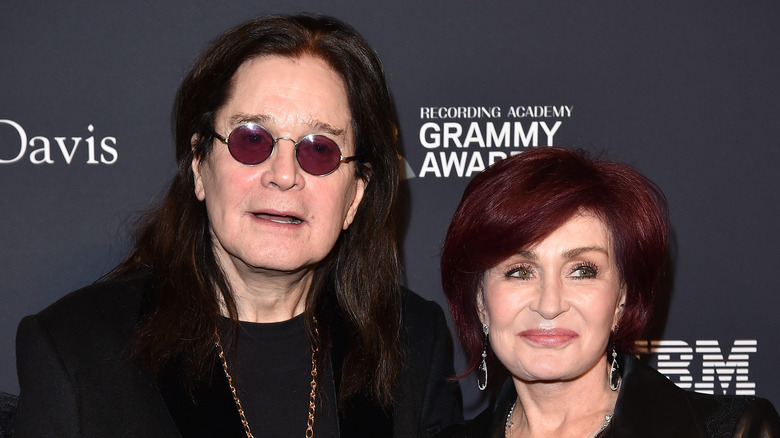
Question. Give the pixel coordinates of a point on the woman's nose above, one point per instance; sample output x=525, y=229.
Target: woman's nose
x=550, y=302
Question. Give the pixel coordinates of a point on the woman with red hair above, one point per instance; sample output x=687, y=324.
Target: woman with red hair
x=550, y=267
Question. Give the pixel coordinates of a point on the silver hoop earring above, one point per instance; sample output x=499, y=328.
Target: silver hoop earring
x=482, y=376
x=614, y=375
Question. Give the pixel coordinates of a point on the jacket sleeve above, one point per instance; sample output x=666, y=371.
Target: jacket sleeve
x=442, y=403
x=47, y=400
x=759, y=420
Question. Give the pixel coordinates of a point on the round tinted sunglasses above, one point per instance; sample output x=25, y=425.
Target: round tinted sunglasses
x=251, y=144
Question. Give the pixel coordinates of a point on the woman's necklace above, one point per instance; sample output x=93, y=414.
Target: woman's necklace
x=595, y=433
x=607, y=419
x=312, y=395
x=509, y=422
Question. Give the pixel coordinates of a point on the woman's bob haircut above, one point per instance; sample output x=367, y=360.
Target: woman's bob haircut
x=521, y=200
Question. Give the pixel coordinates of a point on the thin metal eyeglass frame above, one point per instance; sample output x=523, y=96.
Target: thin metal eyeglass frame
x=342, y=158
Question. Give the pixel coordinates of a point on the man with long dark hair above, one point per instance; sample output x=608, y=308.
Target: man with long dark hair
x=262, y=296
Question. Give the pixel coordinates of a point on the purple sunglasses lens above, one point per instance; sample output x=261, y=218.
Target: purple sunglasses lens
x=250, y=144
x=318, y=155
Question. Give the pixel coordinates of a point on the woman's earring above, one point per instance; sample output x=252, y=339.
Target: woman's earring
x=614, y=375
x=482, y=368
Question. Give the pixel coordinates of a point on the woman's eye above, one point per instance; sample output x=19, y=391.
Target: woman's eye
x=584, y=271
x=519, y=272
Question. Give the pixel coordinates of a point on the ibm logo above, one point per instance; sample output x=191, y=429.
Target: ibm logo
x=679, y=361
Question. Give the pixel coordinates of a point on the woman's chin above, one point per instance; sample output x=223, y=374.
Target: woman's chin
x=547, y=372
x=541, y=377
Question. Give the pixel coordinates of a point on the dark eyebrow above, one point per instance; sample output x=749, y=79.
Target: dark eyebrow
x=238, y=119
x=569, y=253
x=530, y=255
x=261, y=119
x=324, y=128
x=574, y=252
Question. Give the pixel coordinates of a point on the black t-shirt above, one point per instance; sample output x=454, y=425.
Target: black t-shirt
x=272, y=375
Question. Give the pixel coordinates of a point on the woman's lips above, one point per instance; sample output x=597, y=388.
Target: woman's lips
x=549, y=337
x=279, y=218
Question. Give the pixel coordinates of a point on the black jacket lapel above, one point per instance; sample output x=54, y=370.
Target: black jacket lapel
x=649, y=405
x=359, y=416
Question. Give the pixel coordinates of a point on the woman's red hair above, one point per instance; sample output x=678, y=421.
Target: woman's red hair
x=519, y=201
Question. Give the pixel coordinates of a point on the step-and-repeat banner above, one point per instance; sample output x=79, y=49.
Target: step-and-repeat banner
x=686, y=92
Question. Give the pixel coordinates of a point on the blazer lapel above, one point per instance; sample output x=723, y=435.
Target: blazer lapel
x=359, y=416
x=649, y=405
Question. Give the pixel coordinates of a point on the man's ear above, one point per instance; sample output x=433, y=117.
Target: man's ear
x=360, y=190
x=200, y=192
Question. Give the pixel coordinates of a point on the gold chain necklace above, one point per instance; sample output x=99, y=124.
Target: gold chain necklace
x=312, y=395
